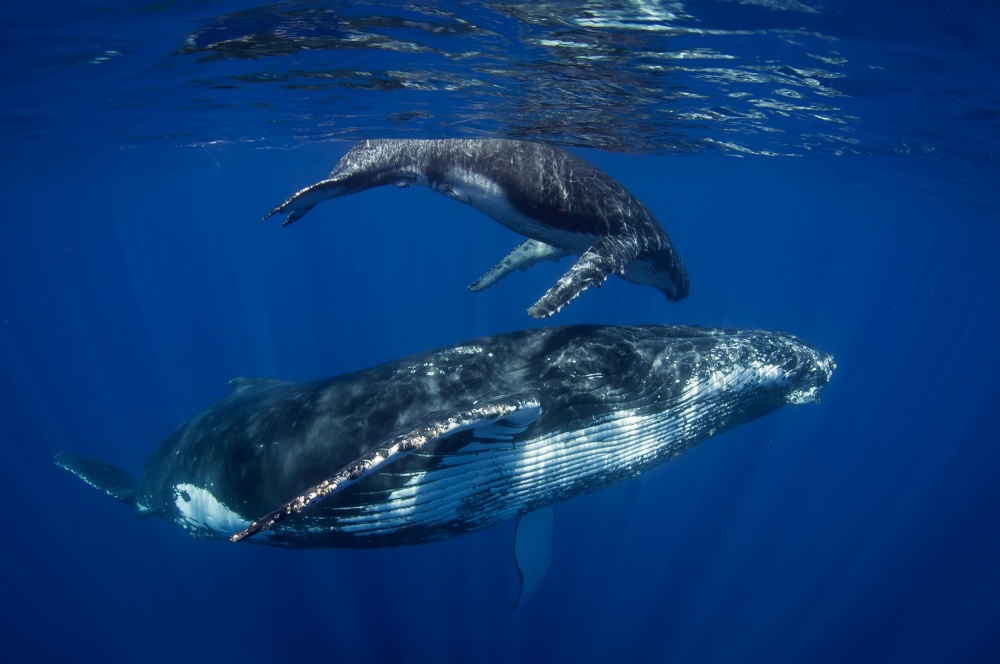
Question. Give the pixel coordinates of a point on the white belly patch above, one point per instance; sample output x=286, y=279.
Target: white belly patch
x=201, y=511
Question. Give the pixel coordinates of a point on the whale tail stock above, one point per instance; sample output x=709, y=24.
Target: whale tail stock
x=102, y=476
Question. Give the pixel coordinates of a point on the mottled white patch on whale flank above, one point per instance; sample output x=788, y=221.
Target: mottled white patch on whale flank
x=203, y=511
x=483, y=194
x=487, y=196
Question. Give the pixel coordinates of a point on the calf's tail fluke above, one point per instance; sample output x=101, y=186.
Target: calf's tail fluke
x=302, y=201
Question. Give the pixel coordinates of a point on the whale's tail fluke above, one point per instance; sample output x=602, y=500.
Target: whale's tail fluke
x=103, y=477
x=301, y=202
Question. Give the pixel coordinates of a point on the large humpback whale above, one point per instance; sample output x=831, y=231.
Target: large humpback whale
x=460, y=438
x=561, y=203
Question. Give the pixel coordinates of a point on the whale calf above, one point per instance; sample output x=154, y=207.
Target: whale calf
x=561, y=203
x=460, y=438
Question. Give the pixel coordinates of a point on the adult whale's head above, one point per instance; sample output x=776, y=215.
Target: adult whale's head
x=563, y=204
x=737, y=375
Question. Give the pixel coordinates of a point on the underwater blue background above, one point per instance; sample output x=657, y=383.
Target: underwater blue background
x=136, y=280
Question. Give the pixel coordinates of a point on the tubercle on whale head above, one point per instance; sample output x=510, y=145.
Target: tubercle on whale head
x=669, y=276
x=777, y=367
x=816, y=375
x=660, y=268
x=675, y=291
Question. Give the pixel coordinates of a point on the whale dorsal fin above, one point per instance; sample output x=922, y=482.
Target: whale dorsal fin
x=103, y=477
x=512, y=413
x=532, y=551
x=607, y=255
x=241, y=384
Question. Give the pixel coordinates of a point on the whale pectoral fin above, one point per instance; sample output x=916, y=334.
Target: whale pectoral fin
x=525, y=255
x=103, y=477
x=532, y=551
x=607, y=255
x=510, y=413
x=301, y=202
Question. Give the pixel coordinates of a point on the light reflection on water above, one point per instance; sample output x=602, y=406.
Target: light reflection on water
x=764, y=78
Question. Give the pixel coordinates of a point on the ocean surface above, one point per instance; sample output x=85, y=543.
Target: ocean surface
x=830, y=169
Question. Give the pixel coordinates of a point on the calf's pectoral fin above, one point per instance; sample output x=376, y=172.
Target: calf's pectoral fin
x=103, y=477
x=607, y=255
x=525, y=255
x=513, y=413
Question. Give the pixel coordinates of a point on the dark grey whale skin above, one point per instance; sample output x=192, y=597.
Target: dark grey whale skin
x=588, y=406
x=538, y=190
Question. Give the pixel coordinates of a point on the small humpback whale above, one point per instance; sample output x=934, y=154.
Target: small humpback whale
x=561, y=203
x=460, y=438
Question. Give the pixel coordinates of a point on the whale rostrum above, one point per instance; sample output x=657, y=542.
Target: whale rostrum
x=561, y=203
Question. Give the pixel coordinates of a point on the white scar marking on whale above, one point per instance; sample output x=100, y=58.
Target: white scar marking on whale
x=483, y=194
x=203, y=511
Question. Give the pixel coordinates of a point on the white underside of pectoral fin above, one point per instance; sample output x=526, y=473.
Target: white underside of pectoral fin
x=526, y=254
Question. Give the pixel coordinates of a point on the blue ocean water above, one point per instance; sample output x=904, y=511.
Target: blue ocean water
x=829, y=169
